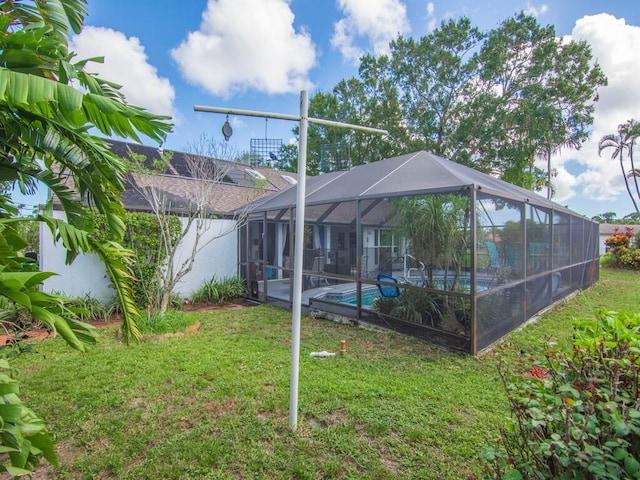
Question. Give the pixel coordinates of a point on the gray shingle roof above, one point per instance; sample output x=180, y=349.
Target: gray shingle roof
x=237, y=187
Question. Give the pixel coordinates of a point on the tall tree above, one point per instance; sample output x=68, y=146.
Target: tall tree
x=620, y=142
x=632, y=129
x=537, y=97
x=436, y=77
x=497, y=101
x=371, y=100
x=48, y=105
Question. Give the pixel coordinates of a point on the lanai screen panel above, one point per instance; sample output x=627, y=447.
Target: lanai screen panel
x=500, y=282
x=526, y=252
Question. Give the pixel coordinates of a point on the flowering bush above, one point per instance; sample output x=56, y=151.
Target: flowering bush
x=621, y=253
x=631, y=259
x=576, y=414
x=619, y=240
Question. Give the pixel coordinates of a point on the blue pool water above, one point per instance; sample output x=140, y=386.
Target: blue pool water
x=350, y=296
x=368, y=298
x=369, y=293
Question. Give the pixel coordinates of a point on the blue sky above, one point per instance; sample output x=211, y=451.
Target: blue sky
x=259, y=54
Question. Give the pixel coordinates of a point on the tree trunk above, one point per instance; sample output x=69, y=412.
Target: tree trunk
x=164, y=302
x=633, y=172
x=626, y=183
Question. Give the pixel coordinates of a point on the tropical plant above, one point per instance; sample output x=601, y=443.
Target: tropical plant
x=575, y=414
x=48, y=103
x=48, y=106
x=436, y=229
x=412, y=305
x=622, y=252
x=620, y=142
x=219, y=291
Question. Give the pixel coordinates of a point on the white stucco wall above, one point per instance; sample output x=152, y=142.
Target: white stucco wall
x=86, y=275
x=219, y=258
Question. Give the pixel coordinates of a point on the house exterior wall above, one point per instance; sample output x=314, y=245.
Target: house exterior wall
x=87, y=275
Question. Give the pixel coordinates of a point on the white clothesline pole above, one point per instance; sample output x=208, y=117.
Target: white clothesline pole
x=296, y=310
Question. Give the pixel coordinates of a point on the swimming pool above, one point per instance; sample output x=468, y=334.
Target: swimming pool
x=350, y=297
x=370, y=292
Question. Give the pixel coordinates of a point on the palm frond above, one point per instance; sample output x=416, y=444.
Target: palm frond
x=116, y=259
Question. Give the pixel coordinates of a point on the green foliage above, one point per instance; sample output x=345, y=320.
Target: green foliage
x=48, y=107
x=391, y=405
x=144, y=237
x=631, y=259
x=437, y=231
x=576, y=415
x=609, y=260
x=90, y=308
x=495, y=100
x=219, y=291
x=23, y=436
x=412, y=305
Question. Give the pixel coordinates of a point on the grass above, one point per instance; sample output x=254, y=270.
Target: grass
x=172, y=321
x=215, y=404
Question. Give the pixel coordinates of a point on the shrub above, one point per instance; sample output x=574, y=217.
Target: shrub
x=219, y=291
x=631, y=259
x=412, y=305
x=144, y=237
x=621, y=251
x=618, y=242
x=609, y=260
x=575, y=414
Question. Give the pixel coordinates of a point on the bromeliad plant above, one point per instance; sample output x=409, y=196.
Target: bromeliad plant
x=577, y=414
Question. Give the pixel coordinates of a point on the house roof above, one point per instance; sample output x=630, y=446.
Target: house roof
x=235, y=186
x=411, y=174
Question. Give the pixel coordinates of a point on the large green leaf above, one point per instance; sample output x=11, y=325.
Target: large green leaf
x=27, y=279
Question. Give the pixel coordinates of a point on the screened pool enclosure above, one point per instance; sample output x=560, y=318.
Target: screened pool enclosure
x=423, y=246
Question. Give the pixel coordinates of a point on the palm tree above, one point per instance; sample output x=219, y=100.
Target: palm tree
x=619, y=143
x=632, y=129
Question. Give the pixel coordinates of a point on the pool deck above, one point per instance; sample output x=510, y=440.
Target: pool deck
x=280, y=289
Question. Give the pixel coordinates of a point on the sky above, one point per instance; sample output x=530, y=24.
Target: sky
x=259, y=54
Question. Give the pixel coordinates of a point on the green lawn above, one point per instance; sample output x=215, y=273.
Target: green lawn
x=215, y=404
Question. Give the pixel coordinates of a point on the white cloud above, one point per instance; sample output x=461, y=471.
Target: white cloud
x=614, y=45
x=247, y=44
x=431, y=18
x=430, y=8
x=379, y=21
x=126, y=63
x=536, y=11
x=564, y=184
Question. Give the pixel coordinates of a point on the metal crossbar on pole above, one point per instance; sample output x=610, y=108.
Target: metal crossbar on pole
x=296, y=310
